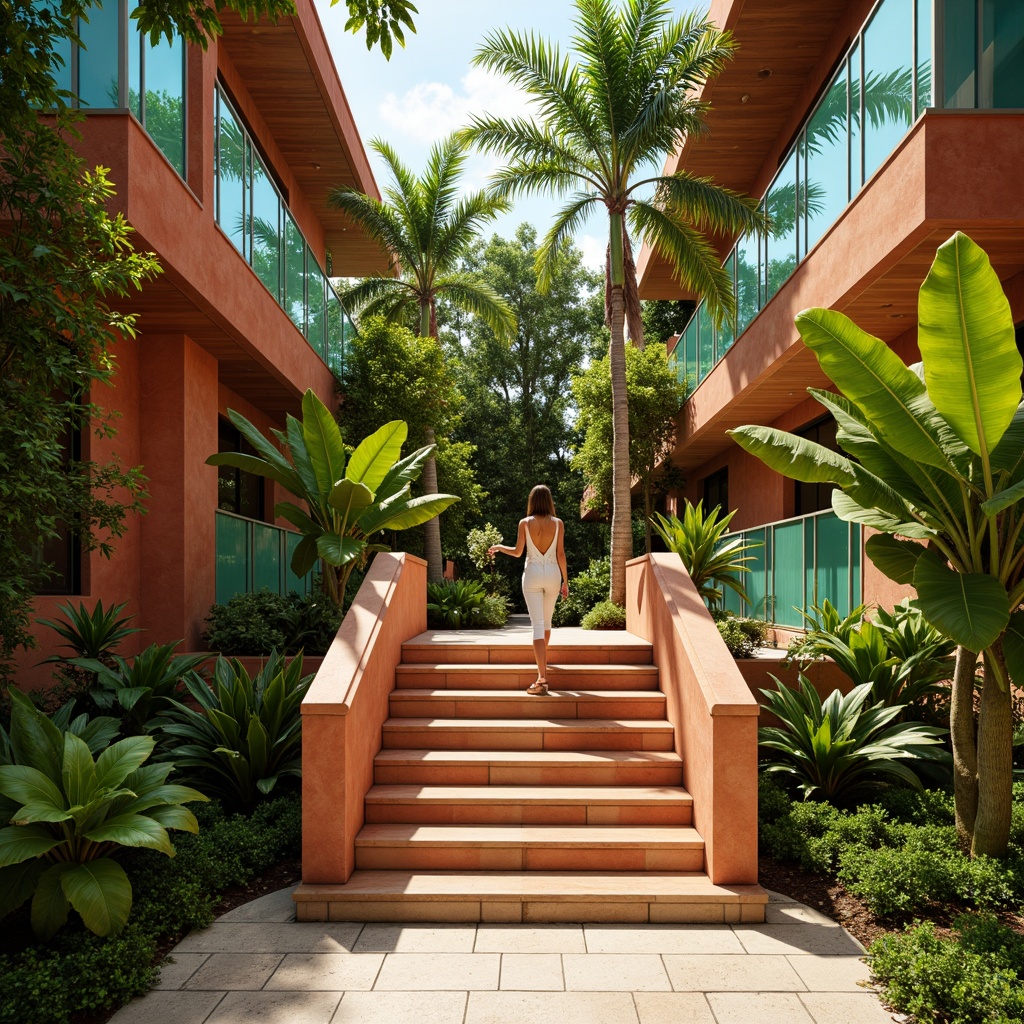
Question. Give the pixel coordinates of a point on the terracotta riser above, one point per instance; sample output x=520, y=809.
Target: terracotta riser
x=412, y=679
x=399, y=738
x=519, y=859
x=530, y=708
x=475, y=654
x=519, y=814
x=482, y=775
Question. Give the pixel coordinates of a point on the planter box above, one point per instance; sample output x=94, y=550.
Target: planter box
x=252, y=663
x=824, y=674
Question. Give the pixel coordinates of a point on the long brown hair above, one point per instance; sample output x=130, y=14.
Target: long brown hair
x=540, y=502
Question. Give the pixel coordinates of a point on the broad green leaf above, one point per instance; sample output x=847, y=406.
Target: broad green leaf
x=49, y=904
x=376, y=454
x=965, y=332
x=267, y=784
x=337, y=550
x=132, y=830
x=972, y=609
x=288, y=479
x=794, y=456
x=888, y=393
x=120, y=759
x=18, y=882
x=79, y=771
x=299, y=519
x=101, y=893
x=35, y=740
x=174, y=816
x=896, y=558
x=407, y=514
x=29, y=813
x=872, y=491
x=852, y=511
x=404, y=472
x=323, y=443
x=1009, y=453
x=129, y=696
x=305, y=555
x=1013, y=648
x=263, y=447
x=1004, y=499
x=296, y=442
x=26, y=785
x=350, y=498
x=25, y=842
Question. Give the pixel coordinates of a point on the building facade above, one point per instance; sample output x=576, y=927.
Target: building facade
x=871, y=130
x=223, y=160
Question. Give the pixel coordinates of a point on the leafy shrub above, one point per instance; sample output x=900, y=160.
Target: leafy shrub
x=586, y=589
x=772, y=800
x=493, y=612
x=258, y=623
x=605, y=615
x=479, y=540
x=454, y=604
x=742, y=636
x=72, y=817
x=838, y=749
x=92, y=634
x=245, y=736
x=975, y=978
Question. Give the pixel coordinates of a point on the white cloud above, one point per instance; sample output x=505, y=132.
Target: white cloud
x=594, y=250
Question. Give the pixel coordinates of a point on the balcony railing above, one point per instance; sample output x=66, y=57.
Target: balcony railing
x=800, y=563
x=254, y=556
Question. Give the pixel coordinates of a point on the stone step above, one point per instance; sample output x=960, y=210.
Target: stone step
x=527, y=734
x=529, y=805
x=484, y=676
x=571, y=646
x=528, y=767
x=531, y=896
x=529, y=848
x=634, y=704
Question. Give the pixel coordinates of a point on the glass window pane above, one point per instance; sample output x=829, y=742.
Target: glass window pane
x=60, y=50
x=295, y=273
x=959, y=53
x=230, y=174
x=266, y=238
x=97, y=63
x=924, y=55
x=315, y=318
x=164, y=109
x=725, y=336
x=856, y=140
x=825, y=189
x=335, y=331
x=690, y=341
x=888, y=55
x=135, y=43
x=1003, y=53
x=781, y=203
x=748, y=277
x=706, y=338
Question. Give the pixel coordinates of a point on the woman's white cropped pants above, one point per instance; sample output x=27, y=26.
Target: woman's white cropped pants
x=541, y=583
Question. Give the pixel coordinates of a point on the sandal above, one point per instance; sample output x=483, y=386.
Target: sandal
x=538, y=689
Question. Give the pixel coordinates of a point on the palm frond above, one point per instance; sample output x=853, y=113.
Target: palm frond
x=376, y=219
x=568, y=221
x=604, y=63
x=475, y=296
x=456, y=233
x=551, y=178
x=705, y=205
x=372, y=289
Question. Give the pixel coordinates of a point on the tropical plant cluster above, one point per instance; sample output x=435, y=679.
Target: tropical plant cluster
x=605, y=615
x=586, y=589
x=263, y=621
x=742, y=636
x=464, y=604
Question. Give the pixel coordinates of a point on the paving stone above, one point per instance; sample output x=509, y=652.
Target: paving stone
x=796, y=913
x=831, y=973
x=655, y=938
x=731, y=973
x=252, y=937
x=532, y=972
x=401, y=1008
x=176, y=969
x=845, y=1008
x=551, y=1008
x=416, y=938
x=762, y=1007
x=168, y=1008
x=327, y=972
x=276, y=1008
x=614, y=972
x=797, y=938
x=433, y=972
x=556, y=938
x=228, y=972
x=673, y=1008
x=274, y=908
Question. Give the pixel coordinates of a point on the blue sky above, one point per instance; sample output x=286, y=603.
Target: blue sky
x=429, y=89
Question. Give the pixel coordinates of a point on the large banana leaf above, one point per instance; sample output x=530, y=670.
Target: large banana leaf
x=290, y=511
x=1009, y=453
x=25, y=842
x=132, y=830
x=295, y=441
x=25, y=785
x=100, y=891
x=79, y=771
x=1013, y=648
x=896, y=558
x=263, y=447
x=850, y=510
x=260, y=467
x=376, y=454
x=965, y=332
x=972, y=609
x=794, y=456
x=305, y=555
x=890, y=395
x=404, y=472
x=1004, y=499
x=339, y=550
x=349, y=498
x=404, y=515
x=323, y=443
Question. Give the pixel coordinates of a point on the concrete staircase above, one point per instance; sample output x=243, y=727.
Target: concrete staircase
x=492, y=805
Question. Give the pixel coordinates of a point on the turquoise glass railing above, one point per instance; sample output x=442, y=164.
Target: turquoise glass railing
x=882, y=85
x=800, y=562
x=254, y=556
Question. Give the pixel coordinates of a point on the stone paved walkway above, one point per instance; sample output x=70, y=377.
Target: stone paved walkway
x=255, y=965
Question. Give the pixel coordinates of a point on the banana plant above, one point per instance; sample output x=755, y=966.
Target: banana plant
x=348, y=498
x=937, y=467
x=72, y=815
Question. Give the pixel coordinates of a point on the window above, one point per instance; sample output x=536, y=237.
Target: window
x=716, y=491
x=983, y=53
x=781, y=206
x=63, y=553
x=237, y=491
x=816, y=497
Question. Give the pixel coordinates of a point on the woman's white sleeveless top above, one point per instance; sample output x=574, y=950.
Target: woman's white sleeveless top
x=533, y=553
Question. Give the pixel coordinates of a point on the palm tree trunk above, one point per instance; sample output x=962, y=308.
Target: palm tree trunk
x=622, y=527
x=995, y=762
x=965, y=755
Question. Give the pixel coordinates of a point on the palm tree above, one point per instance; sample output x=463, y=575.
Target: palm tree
x=426, y=228
x=628, y=100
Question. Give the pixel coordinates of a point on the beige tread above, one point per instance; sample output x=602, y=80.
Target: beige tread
x=550, y=795
x=561, y=703
x=482, y=675
x=585, y=836
x=500, y=648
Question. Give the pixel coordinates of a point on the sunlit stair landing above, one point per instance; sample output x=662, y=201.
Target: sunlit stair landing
x=492, y=805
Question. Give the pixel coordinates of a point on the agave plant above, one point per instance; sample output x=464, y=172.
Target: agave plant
x=139, y=688
x=92, y=634
x=840, y=749
x=824, y=620
x=453, y=604
x=348, y=499
x=246, y=735
x=711, y=558
x=71, y=815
